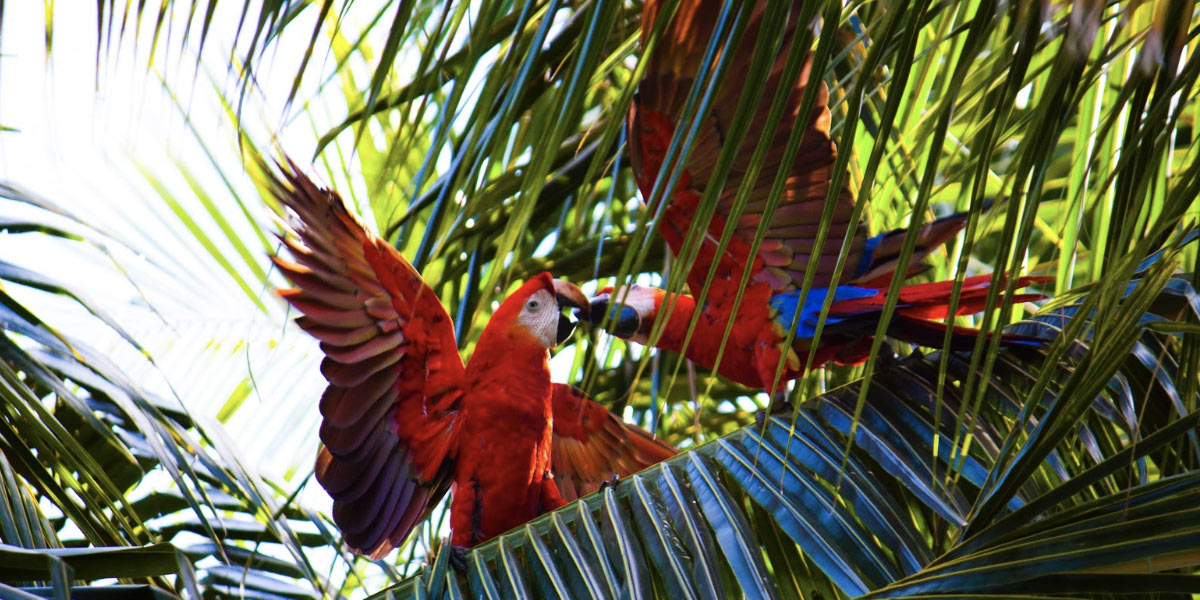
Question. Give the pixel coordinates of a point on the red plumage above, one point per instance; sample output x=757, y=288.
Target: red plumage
x=403, y=420
x=777, y=268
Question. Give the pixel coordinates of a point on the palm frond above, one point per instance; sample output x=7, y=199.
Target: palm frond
x=489, y=140
x=125, y=473
x=897, y=516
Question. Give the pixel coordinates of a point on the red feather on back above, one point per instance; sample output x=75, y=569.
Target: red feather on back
x=783, y=255
x=752, y=348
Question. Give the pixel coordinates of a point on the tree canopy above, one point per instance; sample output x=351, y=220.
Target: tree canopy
x=162, y=434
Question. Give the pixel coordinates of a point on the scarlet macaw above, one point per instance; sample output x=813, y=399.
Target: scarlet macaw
x=404, y=420
x=770, y=302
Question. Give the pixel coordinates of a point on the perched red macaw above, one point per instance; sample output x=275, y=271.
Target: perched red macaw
x=404, y=420
x=771, y=300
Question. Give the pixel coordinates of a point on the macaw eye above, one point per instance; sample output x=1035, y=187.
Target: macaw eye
x=531, y=305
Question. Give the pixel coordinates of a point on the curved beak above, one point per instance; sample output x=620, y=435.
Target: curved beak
x=568, y=295
x=625, y=324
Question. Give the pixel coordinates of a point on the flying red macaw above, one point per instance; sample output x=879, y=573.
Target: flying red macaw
x=771, y=300
x=403, y=420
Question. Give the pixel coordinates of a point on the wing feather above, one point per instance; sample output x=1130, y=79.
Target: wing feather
x=591, y=445
x=783, y=256
x=390, y=412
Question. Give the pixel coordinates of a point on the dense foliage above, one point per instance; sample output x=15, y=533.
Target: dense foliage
x=489, y=141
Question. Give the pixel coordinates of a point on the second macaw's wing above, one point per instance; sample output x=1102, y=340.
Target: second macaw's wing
x=591, y=444
x=390, y=414
x=784, y=253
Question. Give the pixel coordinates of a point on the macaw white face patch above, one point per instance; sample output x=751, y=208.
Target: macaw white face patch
x=540, y=316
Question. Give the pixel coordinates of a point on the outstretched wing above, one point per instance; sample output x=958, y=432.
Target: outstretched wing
x=591, y=444
x=784, y=253
x=390, y=413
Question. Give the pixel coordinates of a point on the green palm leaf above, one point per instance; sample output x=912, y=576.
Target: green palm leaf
x=488, y=137
x=862, y=524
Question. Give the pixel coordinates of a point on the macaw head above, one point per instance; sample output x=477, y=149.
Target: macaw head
x=536, y=308
x=638, y=305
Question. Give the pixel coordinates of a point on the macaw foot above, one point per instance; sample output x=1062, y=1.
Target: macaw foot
x=779, y=407
x=457, y=557
x=888, y=356
x=611, y=482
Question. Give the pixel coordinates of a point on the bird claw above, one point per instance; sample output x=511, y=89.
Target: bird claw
x=779, y=405
x=607, y=483
x=888, y=356
x=458, y=558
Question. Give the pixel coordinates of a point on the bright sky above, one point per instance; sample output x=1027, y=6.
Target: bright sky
x=83, y=142
x=87, y=142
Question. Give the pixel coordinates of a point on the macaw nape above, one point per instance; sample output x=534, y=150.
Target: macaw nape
x=771, y=303
x=404, y=420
